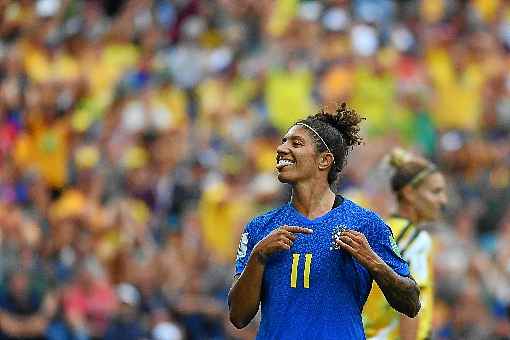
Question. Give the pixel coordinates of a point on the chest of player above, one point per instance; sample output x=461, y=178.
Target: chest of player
x=312, y=263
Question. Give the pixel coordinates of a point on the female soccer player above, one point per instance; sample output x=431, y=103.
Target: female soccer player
x=420, y=191
x=309, y=264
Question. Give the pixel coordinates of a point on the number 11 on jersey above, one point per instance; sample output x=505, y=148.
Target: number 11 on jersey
x=306, y=272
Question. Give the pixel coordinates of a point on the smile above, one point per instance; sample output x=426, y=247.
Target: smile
x=282, y=163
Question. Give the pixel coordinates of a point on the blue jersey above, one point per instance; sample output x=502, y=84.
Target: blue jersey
x=314, y=291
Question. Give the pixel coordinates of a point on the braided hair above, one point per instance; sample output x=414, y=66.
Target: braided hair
x=339, y=131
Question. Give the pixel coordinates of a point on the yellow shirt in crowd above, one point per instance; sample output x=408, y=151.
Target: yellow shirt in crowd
x=464, y=85
x=288, y=96
x=223, y=216
x=45, y=150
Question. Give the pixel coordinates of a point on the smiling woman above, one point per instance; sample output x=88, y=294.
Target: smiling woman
x=333, y=136
x=309, y=264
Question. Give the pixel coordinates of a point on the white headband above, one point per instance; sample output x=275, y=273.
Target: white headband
x=422, y=174
x=317, y=134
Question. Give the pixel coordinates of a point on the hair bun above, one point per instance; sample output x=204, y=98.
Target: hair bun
x=346, y=121
x=398, y=157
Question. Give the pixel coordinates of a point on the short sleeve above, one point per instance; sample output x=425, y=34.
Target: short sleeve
x=382, y=242
x=246, y=243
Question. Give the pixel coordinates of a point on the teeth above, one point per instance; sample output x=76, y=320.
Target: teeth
x=284, y=162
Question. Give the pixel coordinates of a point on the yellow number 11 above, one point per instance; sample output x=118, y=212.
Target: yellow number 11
x=306, y=272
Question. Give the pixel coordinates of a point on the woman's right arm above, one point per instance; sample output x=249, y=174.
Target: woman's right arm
x=244, y=296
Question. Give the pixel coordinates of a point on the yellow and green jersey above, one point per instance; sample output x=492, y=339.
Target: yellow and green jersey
x=380, y=320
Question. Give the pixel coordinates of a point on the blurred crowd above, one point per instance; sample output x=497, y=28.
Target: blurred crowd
x=138, y=137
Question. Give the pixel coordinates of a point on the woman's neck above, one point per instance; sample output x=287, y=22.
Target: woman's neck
x=312, y=200
x=408, y=212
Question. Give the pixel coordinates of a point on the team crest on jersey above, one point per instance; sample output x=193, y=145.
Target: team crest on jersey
x=336, y=234
x=243, y=246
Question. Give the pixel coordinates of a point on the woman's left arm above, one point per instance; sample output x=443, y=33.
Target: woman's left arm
x=401, y=292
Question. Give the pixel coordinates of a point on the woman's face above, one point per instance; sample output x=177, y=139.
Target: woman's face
x=296, y=156
x=429, y=197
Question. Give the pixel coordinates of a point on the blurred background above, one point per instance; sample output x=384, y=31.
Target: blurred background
x=138, y=137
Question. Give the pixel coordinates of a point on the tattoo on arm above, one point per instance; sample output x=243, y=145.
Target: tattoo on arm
x=401, y=292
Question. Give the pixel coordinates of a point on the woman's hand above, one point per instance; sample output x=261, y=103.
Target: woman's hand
x=279, y=239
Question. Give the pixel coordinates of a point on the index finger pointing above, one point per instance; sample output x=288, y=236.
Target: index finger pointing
x=296, y=229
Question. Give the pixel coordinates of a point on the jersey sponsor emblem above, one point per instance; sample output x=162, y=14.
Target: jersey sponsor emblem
x=243, y=246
